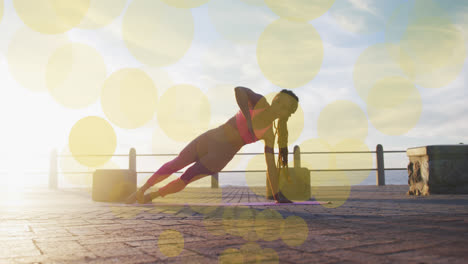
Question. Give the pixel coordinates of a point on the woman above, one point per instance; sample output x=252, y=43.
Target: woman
x=211, y=151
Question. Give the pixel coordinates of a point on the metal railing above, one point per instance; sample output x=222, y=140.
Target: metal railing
x=380, y=167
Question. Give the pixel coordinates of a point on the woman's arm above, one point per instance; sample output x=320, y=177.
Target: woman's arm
x=272, y=170
x=247, y=99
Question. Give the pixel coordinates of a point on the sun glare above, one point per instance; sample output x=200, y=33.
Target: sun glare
x=12, y=193
x=17, y=178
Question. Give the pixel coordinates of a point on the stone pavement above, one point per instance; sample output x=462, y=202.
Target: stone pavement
x=374, y=225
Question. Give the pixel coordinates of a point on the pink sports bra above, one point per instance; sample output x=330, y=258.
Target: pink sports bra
x=243, y=129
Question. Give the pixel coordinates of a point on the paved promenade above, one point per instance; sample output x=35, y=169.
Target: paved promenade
x=374, y=225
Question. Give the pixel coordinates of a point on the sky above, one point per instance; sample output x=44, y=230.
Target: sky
x=104, y=76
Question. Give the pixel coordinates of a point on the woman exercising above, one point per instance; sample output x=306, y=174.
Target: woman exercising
x=211, y=151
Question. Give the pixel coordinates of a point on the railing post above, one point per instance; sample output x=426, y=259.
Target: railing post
x=53, y=170
x=132, y=160
x=215, y=181
x=380, y=166
x=297, y=157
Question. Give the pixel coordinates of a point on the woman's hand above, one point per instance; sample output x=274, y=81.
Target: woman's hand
x=280, y=198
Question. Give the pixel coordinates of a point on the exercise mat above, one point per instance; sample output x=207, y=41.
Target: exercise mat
x=232, y=204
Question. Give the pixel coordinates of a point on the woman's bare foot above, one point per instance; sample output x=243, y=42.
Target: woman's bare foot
x=148, y=198
x=140, y=196
x=131, y=199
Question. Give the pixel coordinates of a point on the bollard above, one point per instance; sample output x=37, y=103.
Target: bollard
x=132, y=160
x=297, y=157
x=53, y=170
x=132, y=164
x=380, y=166
x=215, y=181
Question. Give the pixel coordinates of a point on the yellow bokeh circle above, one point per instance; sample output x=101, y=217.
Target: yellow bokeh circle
x=229, y=221
x=183, y=112
x=436, y=53
x=101, y=13
x=185, y=3
x=77, y=174
x=251, y=252
x=92, y=135
x=294, y=183
x=1, y=10
x=295, y=121
x=231, y=256
x=129, y=98
x=223, y=103
x=374, y=63
x=268, y=224
x=355, y=160
x=51, y=16
x=160, y=77
x=74, y=75
x=330, y=188
x=290, y=54
x=317, y=160
x=28, y=55
x=394, y=105
x=439, y=61
x=171, y=243
x=269, y=255
x=333, y=186
x=294, y=231
x=246, y=224
x=299, y=10
x=340, y=120
x=432, y=49
x=254, y=2
x=240, y=221
x=157, y=34
x=69, y=164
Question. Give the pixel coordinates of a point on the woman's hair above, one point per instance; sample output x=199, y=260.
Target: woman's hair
x=282, y=129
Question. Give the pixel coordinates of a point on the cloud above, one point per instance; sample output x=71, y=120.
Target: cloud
x=365, y=6
x=445, y=112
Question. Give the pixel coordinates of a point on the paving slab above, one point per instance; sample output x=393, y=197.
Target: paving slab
x=373, y=225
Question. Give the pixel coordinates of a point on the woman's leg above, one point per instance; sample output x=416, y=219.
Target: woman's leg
x=195, y=172
x=217, y=159
x=188, y=155
x=213, y=148
x=212, y=151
